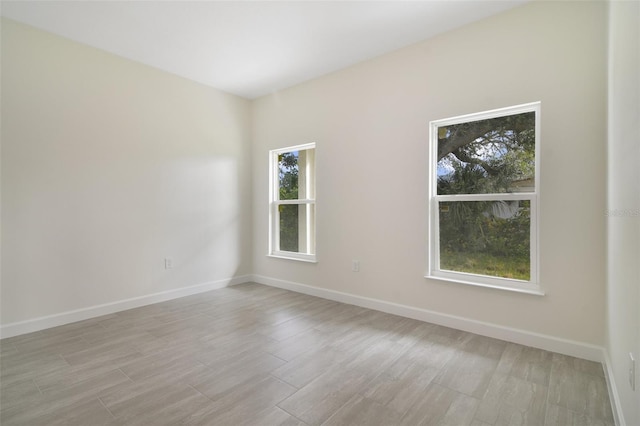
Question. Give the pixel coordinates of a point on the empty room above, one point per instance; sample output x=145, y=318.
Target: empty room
x=320, y=213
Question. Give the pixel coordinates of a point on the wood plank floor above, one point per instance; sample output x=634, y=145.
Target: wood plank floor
x=256, y=355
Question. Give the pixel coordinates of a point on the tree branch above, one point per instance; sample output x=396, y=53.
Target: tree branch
x=460, y=135
x=463, y=135
x=460, y=155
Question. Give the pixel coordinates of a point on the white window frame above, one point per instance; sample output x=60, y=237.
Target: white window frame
x=308, y=172
x=532, y=286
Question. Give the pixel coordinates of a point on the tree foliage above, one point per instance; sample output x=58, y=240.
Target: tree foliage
x=488, y=156
x=288, y=175
x=288, y=179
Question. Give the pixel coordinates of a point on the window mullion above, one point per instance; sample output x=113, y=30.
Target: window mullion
x=507, y=196
x=289, y=202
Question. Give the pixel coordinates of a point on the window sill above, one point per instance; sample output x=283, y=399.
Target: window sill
x=300, y=258
x=535, y=292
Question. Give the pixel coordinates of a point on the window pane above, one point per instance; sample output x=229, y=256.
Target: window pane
x=486, y=238
x=289, y=227
x=296, y=228
x=288, y=171
x=495, y=155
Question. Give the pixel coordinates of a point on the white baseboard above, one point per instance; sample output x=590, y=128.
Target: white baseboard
x=616, y=406
x=523, y=337
x=41, y=323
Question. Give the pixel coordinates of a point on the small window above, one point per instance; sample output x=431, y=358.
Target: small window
x=483, y=191
x=293, y=203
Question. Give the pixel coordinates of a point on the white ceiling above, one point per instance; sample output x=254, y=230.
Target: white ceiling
x=250, y=48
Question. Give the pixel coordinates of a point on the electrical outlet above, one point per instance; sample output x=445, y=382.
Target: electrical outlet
x=632, y=371
x=168, y=263
x=355, y=265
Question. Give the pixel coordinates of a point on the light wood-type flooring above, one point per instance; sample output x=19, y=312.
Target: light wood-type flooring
x=256, y=355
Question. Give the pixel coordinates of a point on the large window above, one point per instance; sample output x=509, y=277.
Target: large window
x=483, y=188
x=293, y=203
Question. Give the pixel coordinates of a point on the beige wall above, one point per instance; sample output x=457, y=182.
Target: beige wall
x=108, y=167
x=370, y=123
x=623, y=301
